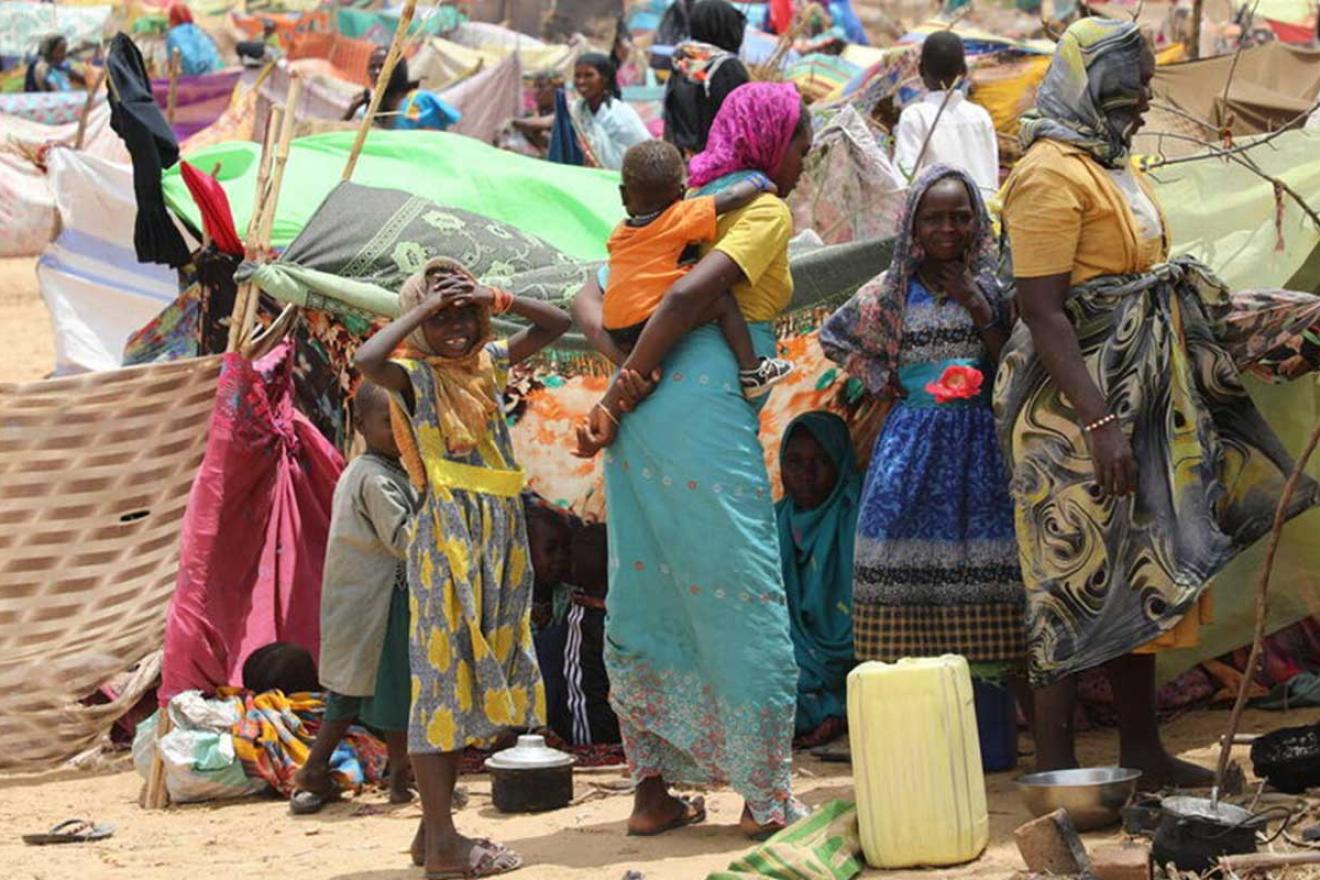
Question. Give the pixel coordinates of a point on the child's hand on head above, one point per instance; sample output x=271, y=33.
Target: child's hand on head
x=479, y=295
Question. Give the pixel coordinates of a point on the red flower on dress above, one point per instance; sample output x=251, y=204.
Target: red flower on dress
x=957, y=382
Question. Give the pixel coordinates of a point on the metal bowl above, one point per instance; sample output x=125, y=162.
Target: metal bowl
x=1091, y=795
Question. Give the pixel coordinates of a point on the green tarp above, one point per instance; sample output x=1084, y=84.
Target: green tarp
x=574, y=209
x=377, y=25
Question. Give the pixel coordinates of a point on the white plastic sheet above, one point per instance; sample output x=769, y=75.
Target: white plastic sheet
x=97, y=293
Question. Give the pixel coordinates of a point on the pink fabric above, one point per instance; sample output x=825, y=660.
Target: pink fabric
x=751, y=132
x=254, y=535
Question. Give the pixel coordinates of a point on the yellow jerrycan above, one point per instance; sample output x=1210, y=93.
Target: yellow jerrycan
x=917, y=763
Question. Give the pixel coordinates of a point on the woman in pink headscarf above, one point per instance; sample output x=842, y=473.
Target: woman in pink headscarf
x=701, y=665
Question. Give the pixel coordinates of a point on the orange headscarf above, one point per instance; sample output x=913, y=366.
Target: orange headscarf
x=466, y=395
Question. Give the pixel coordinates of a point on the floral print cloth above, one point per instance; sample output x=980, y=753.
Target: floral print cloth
x=473, y=663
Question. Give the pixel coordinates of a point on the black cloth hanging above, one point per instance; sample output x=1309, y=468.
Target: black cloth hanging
x=140, y=124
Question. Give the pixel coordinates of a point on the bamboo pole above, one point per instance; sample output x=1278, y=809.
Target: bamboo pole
x=254, y=223
x=290, y=123
x=1262, y=606
x=172, y=98
x=378, y=93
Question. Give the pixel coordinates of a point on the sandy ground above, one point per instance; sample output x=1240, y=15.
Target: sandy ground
x=364, y=840
x=29, y=344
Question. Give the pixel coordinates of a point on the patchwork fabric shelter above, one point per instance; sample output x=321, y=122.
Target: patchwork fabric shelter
x=94, y=478
x=253, y=541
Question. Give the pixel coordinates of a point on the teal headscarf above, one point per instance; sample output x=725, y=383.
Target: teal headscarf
x=816, y=547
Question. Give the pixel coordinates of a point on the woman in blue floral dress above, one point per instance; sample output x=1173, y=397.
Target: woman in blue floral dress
x=936, y=568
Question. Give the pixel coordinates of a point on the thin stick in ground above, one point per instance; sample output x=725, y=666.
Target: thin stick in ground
x=1263, y=603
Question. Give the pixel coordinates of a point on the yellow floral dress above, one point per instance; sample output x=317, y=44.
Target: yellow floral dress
x=473, y=664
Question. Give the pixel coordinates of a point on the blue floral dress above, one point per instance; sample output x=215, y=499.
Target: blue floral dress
x=936, y=567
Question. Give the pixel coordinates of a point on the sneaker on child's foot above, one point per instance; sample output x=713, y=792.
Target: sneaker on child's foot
x=768, y=373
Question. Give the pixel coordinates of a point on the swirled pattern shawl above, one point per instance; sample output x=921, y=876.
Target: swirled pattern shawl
x=1096, y=69
x=1107, y=575
x=864, y=335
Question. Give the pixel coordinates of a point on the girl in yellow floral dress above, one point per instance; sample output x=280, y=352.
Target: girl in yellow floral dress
x=474, y=669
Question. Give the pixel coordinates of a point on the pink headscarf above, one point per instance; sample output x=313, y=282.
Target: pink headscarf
x=751, y=132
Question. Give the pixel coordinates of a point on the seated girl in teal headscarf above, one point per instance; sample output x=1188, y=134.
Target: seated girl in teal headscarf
x=817, y=524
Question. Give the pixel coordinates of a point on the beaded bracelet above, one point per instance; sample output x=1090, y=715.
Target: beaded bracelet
x=1100, y=423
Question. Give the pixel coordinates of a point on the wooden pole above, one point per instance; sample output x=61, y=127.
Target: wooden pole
x=1262, y=606
x=157, y=796
x=1249, y=863
x=259, y=196
x=172, y=99
x=290, y=123
x=92, y=91
x=925, y=145
x=378, y=93
x=1194, y=36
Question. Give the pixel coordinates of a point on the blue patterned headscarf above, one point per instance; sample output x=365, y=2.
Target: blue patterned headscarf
x=864, y=335
x=1096, y=70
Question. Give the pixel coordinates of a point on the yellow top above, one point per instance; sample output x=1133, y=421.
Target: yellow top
x=756, y=238
x=1066, y=215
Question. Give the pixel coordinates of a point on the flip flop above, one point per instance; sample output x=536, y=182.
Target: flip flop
x=304, y=802
x=495, y=860
x=70, y=831
x=694, y=813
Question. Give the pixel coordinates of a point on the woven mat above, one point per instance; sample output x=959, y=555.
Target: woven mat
x=95, y=472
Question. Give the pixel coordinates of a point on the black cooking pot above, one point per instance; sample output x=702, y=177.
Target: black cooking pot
x=1194, y=832
x=531, y=777
x=1289, y=759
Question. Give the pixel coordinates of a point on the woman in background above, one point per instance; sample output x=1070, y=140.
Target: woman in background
x=51, y=71
x=706, y=70
x=197, y=51
x=404, y=105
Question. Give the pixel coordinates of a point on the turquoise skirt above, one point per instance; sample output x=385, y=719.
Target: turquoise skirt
x=701, y=665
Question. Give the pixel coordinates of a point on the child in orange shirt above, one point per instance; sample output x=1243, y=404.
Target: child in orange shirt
x=648, y=253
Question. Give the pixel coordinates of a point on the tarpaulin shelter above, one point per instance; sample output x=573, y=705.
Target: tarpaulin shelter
x=252, y=543
x=1273, y=85
x=23, y=24
x=95, y=472
x=27, y=203
x=95, y=289
x=198, y=100
x=572, y=208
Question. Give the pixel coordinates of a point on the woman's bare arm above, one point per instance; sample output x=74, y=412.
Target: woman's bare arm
x=1041, y=301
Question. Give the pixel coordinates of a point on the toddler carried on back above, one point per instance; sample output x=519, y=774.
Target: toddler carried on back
x=650, y=251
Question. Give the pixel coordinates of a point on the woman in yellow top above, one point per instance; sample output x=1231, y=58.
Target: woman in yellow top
x=701, y=665
x=1140, y=465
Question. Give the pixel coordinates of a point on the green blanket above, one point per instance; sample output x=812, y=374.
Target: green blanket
x=823, y=846
x=573, y=209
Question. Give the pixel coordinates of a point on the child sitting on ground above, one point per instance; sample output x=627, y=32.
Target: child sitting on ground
x=470, y=579
x=647, y=255
x=364, y=608
x=549, y=534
